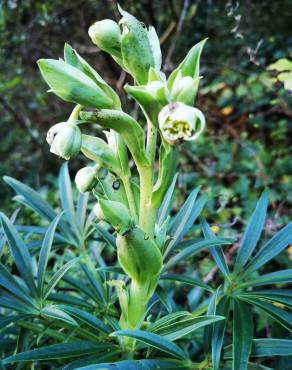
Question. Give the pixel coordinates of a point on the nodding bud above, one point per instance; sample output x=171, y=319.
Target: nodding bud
x=85, y=179
x=98, y=211
x=179, y=122
x=116, y=214
x=65, y=139
x=106, y=34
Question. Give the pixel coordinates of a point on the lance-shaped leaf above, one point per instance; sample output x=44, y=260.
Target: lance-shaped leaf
x=165, y=207
x=242, y=335
x=166, y=364
x=153, y=340
x=281, y=276
x=253, y=232
x=190, y=66
x=100, y=152
x=20, y=253
x=126, y=126
x=74, y=59
x=282, y=296
x=72, y=85
x=189, y=280
x=167, y=167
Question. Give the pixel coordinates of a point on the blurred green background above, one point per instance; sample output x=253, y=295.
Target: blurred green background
x=247, y=145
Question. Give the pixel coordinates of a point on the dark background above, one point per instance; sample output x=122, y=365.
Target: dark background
x=248, y=141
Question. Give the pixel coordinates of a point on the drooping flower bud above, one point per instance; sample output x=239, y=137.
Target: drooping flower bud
x=106, y=35
x=98, y=211
x=65, y=139
x=85, y=179
x=179, y=122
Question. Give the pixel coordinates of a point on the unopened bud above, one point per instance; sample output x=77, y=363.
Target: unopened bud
x=65, y=139
x=98, y=211
x=106, y=35
x=85, y=179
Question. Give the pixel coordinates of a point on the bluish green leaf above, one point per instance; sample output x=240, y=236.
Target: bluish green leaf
x=20, y=253
x=95, y=282
x=216, y=252
x=82, y=204
x=281, y=276
x=208, y=332
x=139, y=365
x=56, y=313
x=253, y=231
x=58, y=276
x=274, y=295
x=269, y=250
x=57, y=351
x=106, y=236
x=7, y=321
x=153, y=340
x=45, y=252
x=242, y=335
x=165, y=207
x=187, y=280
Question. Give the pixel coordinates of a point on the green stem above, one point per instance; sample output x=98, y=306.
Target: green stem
x=151, y=142
x=126, y=179
x=75, y=113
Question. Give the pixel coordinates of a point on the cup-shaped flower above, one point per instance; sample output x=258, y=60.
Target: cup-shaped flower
x=65, y=139
x=85, y=178
x=106, y=34
x=179, y=122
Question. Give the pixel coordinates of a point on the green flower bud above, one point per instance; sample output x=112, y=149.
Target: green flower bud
x=116, y=214
x=106, y=35
x=179, y=122
x=184, y=89
x=85, y=179
x=139, y=255
x=65, y=139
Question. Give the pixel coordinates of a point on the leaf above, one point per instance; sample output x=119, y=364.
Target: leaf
x=274, y=295
x=45, y=252
x=106, y=236
x=72, y=85
x=8, y=282
x=7, y=321
x=56, y=351
x=58, y=276
x=87, y=318
x=152, y=340
x=253, y=231
x=95, y=283
x=208, y=332
x=186, y=326
x=2, y=236
x=273, y=247
x=20, y=253
x=185, y=219
x=138, y=365
x=82, y=204
x=166, y=204
x=281, y=276
x=266, y=348
x=242, y=335
x=194, y=248
x=216, y=252
x=187, y=280
x=283, y=317
x=56, y=313
x=222, y=309
x=66, y=196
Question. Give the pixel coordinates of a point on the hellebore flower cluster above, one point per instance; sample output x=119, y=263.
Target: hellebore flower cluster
x=127, y=205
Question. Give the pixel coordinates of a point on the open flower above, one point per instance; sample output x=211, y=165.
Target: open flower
x=85, y=178
x=64, y=139
x=179, y=122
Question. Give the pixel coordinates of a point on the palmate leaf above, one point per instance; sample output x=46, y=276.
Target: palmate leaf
x=270, y=249
x=139, y=365
x=283, y=317
x=20, y=253
x=152, y=340
x=242, y=335
x=58, y=351
x=253, y=232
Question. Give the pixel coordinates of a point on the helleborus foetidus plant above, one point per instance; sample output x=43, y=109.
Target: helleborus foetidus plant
x=89, y=314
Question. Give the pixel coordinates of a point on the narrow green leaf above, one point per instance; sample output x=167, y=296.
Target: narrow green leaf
x=281, y=276
x=165, y=207
x=187, y=280
x=274, y=295
x=139, y=365
x=7, y=321
x=216, y=252
x=58, y=276
x=283, y=317
x=106, y=236
x=253, y=231
x=66, y=195
x=208, y=332
x=56, y=313
x=20, y=253
x=273, y=247
x=242, y=335
x=82, y=204
x=57, y=351
x=95, y=282
x=152, y=340
x=45, y=252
